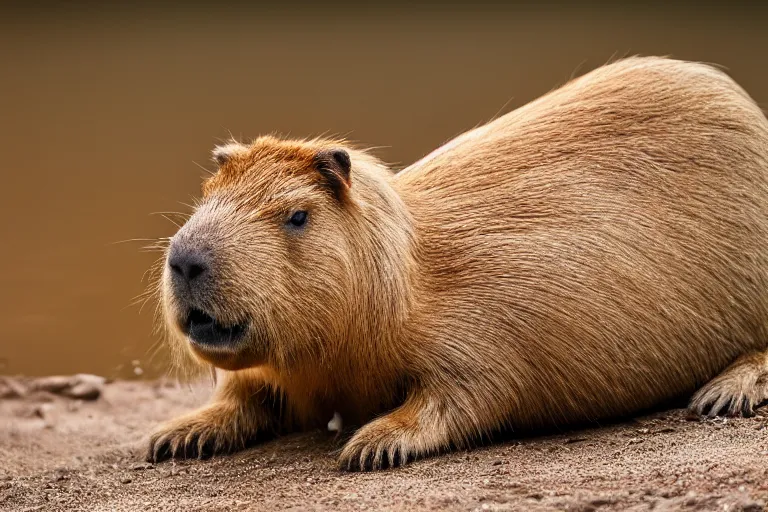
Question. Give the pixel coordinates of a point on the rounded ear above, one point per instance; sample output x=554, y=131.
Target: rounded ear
x=336, y=167
x=224, y=153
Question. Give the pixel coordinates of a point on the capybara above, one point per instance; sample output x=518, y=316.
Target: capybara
x=595, y=253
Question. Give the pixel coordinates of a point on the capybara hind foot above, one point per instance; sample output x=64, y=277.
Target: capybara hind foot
x=219, y=428
x=739, y=390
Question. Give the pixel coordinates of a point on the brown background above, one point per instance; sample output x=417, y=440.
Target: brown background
x=104, y=112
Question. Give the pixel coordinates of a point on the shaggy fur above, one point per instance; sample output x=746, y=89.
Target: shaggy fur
x=596, y=252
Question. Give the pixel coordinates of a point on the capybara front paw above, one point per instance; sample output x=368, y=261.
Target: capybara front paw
x=719, y=400
x=201, y=434
x=377, y=445
x=736, y=392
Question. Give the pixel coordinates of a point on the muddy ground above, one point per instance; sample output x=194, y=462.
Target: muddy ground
x=63, y=453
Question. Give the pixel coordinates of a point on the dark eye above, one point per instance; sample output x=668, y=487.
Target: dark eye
x=298, y=219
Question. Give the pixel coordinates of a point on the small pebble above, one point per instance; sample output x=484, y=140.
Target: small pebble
x=336, y=423
x=82, y=386
x=83, y=391
x=11, y=388
x=53, y=384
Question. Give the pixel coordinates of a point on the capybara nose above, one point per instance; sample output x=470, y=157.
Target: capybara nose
x=187, y=264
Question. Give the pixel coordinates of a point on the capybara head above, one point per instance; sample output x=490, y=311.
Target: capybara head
x=261, y=272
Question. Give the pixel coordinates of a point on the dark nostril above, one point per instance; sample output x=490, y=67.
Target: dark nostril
x=187, y=264
x=194, y=270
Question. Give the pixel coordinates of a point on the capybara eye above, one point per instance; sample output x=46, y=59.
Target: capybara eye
x=298, y=219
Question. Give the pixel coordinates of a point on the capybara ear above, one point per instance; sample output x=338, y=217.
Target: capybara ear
x=224, y=153
x=335, y=166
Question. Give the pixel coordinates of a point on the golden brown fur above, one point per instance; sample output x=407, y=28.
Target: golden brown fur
x=591, y=254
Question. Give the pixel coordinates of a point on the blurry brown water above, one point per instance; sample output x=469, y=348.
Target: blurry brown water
x=105, y=113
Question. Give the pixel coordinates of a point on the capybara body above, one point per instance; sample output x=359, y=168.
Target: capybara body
x=594, y=253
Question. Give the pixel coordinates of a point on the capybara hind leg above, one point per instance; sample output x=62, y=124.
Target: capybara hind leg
x=741, y=388
x=241, y=412
x=425, y=424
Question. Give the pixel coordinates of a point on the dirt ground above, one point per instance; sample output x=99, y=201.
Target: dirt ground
x=60, y=453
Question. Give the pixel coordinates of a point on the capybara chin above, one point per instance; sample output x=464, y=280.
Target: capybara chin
x=599, y=251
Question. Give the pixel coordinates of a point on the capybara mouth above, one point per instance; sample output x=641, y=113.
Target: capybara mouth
x=203, y=329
